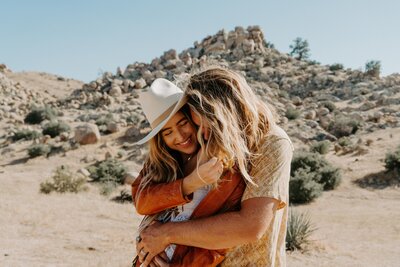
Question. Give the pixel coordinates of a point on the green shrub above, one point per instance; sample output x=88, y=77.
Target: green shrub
x=105, y=119
x=392, y=161
x=343, y=126
x=39, y=114
x=38, y=150
x=336, y=66
x=63, y=181
x=124, y=196
x=110, y=170
x=298, y=231
x=330, y=177
x=55, y=128
x=373, y=68
x=303, y=188
x=25, y=134
x=310, y=175
x=321, y=147
x=345, y=141
x=292, y=113
x=329, y=105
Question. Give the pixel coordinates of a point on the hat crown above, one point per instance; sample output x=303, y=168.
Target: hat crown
x=160, y=97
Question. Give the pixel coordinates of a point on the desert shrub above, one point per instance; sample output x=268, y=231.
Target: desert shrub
x=292, y=113
x=373, y=68
x=39, y=114
x=303, y=188
x=283, y=94
x=54, y=128
x=63, y=180
x=105, y=119
x=310, y=175
x=345, y=141
x=343, y=126
x=124, y=196
x=321, y=147
x=298, y=231
x=300, y=49
x=38, y=150
x=329, y=105
x=108, y=171
x=25, y=134
x=330, y=177
x=336, y=66
x=392, y=161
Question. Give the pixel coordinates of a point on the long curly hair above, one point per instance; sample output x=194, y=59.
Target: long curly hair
x=238, y=120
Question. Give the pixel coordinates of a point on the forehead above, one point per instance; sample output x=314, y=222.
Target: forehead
x=174, y=120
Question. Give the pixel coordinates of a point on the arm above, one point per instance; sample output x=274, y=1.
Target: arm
x=158, y=197
x=217, y=232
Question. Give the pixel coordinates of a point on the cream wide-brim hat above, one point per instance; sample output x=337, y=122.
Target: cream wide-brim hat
x=159, y=103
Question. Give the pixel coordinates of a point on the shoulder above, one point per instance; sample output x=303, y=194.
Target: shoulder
x=276, y=141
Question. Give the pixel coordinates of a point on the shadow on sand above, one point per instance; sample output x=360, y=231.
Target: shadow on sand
x=380, y=180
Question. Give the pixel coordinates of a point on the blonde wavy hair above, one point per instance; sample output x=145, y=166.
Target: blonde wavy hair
x=238, y=120
x=163, y=165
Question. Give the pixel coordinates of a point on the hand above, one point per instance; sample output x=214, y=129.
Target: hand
x=152, y=243
x=207, y=173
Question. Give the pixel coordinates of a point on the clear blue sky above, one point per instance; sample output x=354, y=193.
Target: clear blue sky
x=80, y=38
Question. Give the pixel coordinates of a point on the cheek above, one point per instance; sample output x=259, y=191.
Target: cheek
x=195, y=118
x=168, y=140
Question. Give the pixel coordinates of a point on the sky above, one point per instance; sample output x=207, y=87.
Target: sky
x=81, y=39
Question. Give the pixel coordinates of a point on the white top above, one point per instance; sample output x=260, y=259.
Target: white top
x=185, y=211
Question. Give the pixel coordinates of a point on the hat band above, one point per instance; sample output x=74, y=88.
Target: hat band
x=162, y=117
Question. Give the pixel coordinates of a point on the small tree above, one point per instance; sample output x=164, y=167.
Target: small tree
x=300, y=49
x=373, y=68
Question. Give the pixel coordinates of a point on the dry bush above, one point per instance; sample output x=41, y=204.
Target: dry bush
x=63, y=180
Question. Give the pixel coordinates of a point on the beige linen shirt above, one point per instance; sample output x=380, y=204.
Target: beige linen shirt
x=271, y=172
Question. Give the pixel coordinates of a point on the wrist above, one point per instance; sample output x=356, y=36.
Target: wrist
x=167, y=231
x=188, y=185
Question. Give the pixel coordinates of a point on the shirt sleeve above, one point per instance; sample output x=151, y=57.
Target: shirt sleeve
x=271, y=171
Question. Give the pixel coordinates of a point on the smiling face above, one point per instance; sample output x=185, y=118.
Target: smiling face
x=180, y=134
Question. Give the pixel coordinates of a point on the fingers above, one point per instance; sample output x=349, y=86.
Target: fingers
x=142, y=255
x=160, y=261
x=149, y=257
x=164, y=256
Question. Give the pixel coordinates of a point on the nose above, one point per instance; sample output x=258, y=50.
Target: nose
x=181, y=135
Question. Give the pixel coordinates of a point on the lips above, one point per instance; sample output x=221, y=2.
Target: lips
x=185, y=143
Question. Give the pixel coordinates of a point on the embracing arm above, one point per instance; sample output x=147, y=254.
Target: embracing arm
x=220, y=231
x=158, y=197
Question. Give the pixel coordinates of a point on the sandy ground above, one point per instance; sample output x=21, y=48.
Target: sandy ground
x=357, y=226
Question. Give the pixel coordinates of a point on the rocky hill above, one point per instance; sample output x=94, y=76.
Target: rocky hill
x=103, y=118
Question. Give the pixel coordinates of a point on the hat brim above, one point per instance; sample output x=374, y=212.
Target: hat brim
x=181, y=102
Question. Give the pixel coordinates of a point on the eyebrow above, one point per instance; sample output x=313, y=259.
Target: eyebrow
x=184, y=118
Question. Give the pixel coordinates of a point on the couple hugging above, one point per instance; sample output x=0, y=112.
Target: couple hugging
x=214, y=188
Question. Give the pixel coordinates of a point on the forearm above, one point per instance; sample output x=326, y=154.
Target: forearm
x=217, y=232
x=157, y=197
x=223, y=230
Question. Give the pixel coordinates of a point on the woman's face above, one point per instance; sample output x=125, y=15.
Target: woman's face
x=197, y=120
x=180, y=134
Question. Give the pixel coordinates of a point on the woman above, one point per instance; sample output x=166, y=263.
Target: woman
x=229, y=114
x=174, y=154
